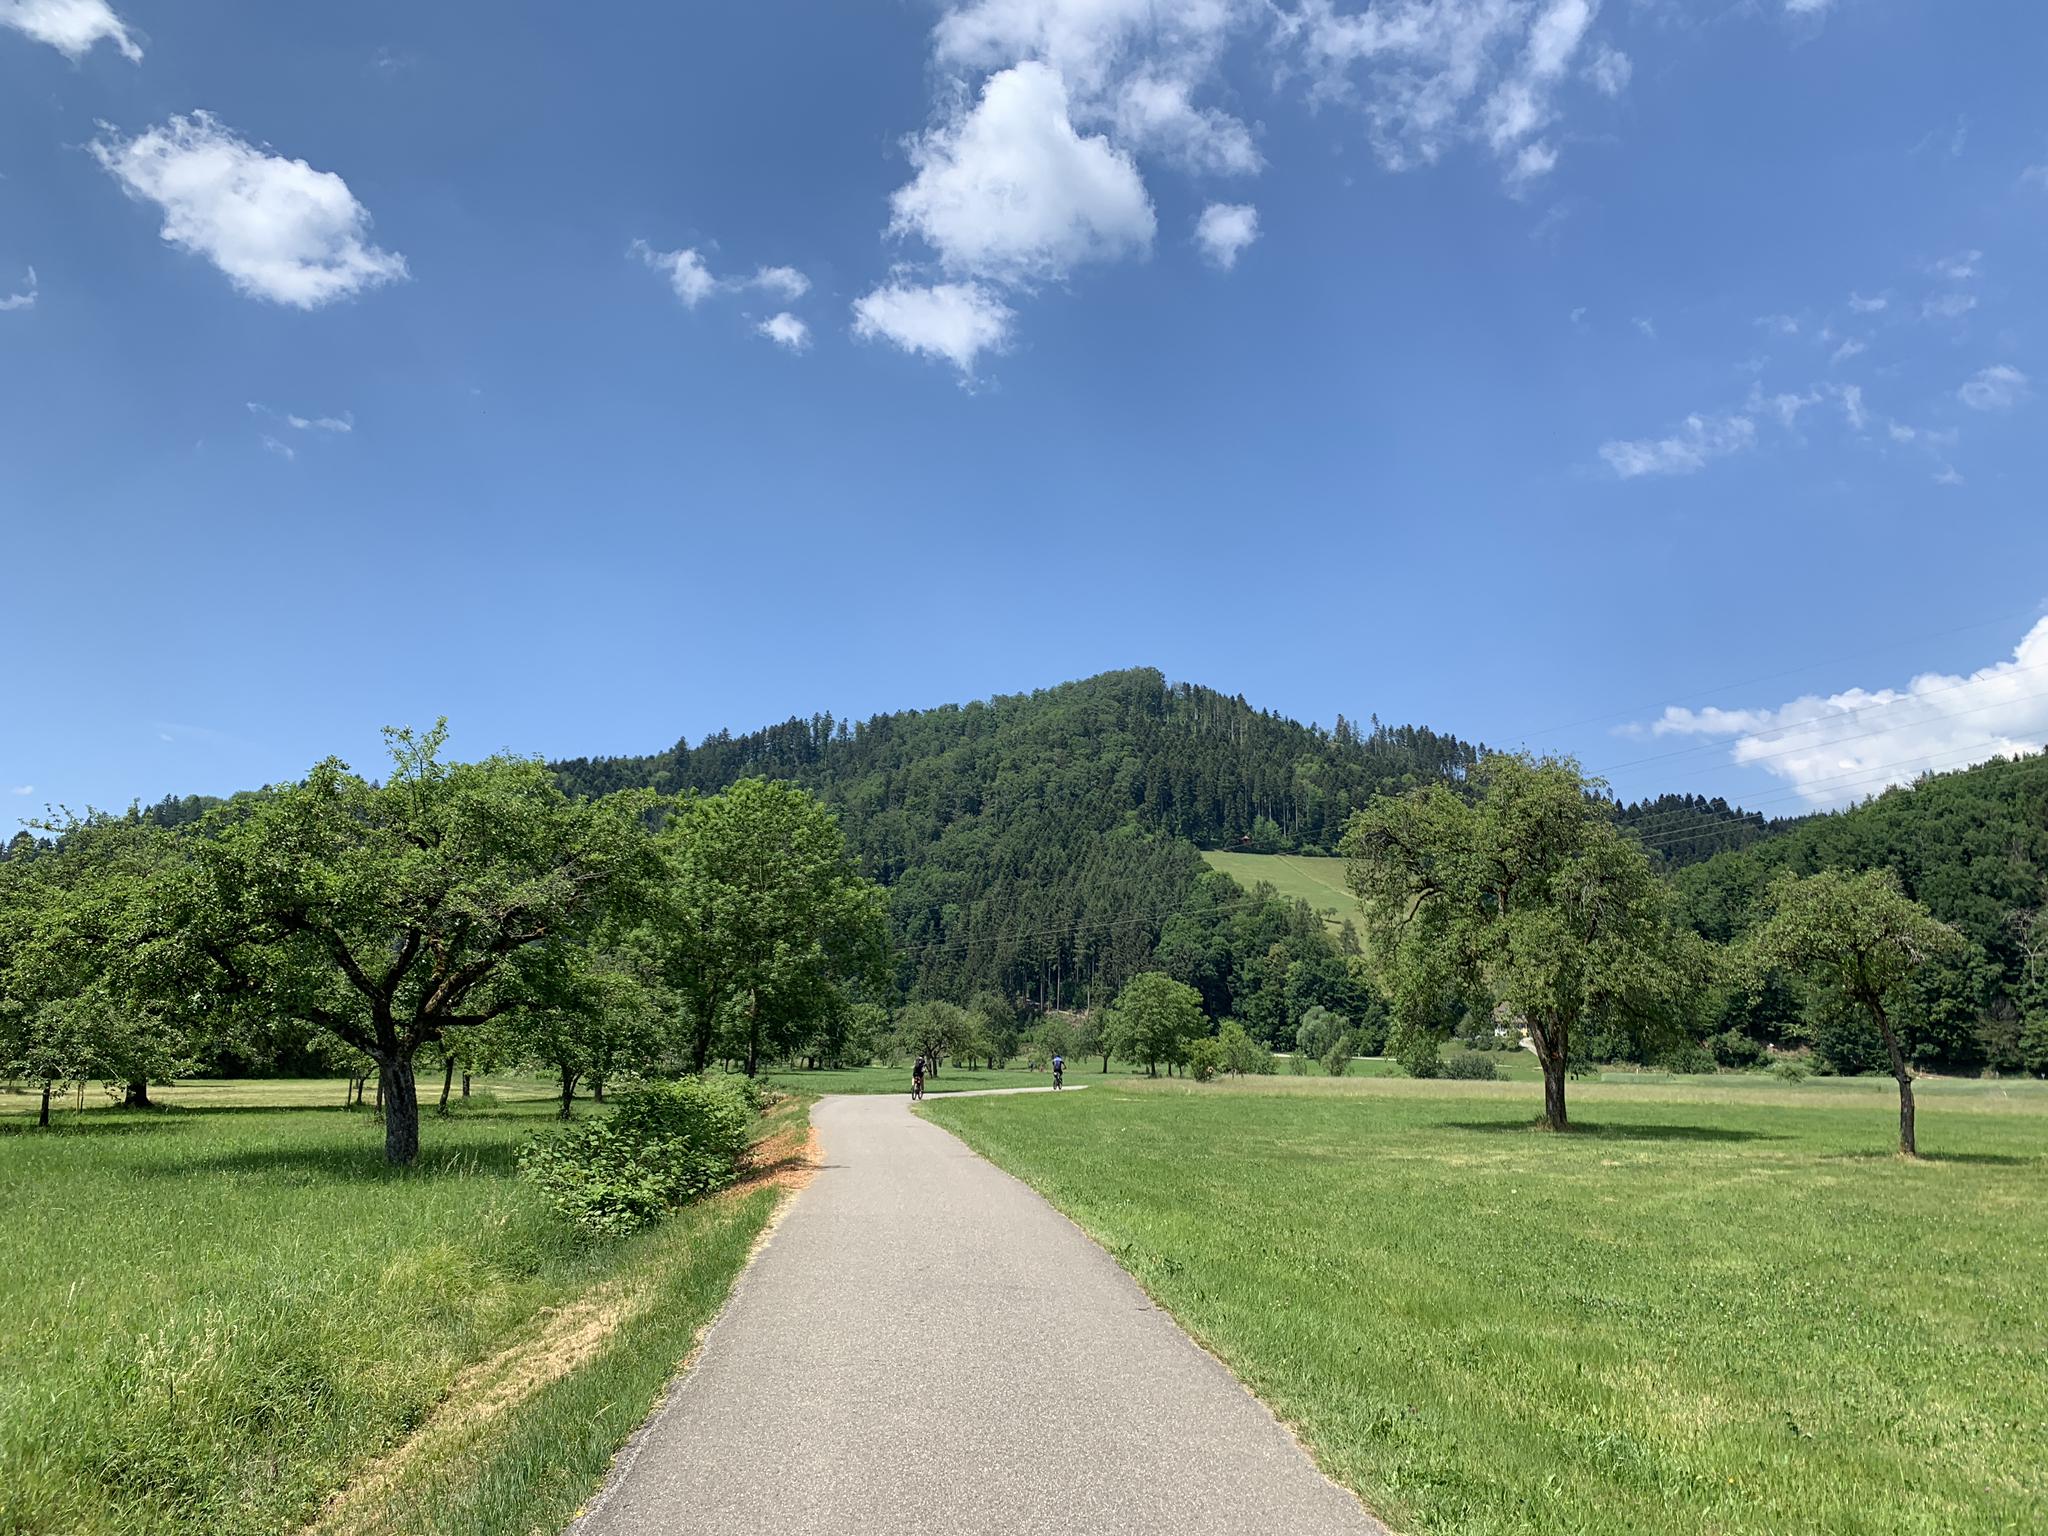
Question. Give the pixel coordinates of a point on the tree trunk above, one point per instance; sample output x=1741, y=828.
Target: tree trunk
x=399, y=1095
x=137, y=1096
x=568, y=1089
x=447, y=1081
x=378, y=1105
x=465, y=1084
x=43, y=1119
x=754, y=1032
x=597, y=1089
x=1105, y=1063
x=1909, y=1145
x=1553, y=1093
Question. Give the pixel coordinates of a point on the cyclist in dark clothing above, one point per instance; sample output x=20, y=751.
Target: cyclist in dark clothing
x=1059, y=1071
x=917, y=1079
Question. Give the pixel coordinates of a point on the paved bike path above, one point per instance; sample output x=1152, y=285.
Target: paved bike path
x=926, y=1346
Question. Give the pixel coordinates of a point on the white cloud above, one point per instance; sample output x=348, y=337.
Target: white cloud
x=71, y=27
x=1786, y=407
x=283, y=450
x=1948, y=306
x=1646, y=325
x=1532, y=160
x=1851, y=396
x=1807, y=7
x=1842, y=747
x=1430, y=73
x=1698, y=440
x=1008, y=190
x=1156, y=114
x=692, y=281
x=21, y=789
x=343, y=423
x=2035, y=176
x=279, y=229
x=26, y=299
x=1224, y=230
x=786, y=282
x=1849, y=349
x=1609, y=70
x=786, y=330
x=684, y=269
x=1899, y=432
x=1997, y=388
x=954, y=321
x=1862, y=306
x=1959, y=268
x=1948, y=476
x=1779, y=325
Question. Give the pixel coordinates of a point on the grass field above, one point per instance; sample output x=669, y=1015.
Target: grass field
x=1719, y=1306
x=1317, y=881
x=221, y=1312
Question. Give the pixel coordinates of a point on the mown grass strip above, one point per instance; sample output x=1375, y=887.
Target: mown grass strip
x=1705, y=1311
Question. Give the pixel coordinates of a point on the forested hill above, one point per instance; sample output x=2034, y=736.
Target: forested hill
x=1124, y=748
x=1035, y=843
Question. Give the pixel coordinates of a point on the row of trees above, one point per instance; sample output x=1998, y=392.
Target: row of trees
x=1522, y=902
x=452, y=907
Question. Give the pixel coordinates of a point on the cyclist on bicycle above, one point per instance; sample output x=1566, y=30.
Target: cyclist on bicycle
x=917, y=1079
x=1059, y=1071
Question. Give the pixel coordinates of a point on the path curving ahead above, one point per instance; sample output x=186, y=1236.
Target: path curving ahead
x=926, y=1346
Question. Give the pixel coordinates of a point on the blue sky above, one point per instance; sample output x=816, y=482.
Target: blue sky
x=1533, y=369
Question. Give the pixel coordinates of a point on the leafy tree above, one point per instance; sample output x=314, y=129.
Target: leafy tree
x=1337, y=1059
x=1091, y=1038
x=1205, y=1058
x=933, y=1030
x=1524, y=895
x=1859, y=940
x=1318, y=1031
x=765, y=918
x=1157, y=1020
x=1242, y=1054
x=389, y=914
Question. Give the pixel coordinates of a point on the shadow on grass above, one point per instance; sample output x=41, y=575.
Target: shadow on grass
x=360, y=1163
x=1611, y=1131
x=1986, y=1159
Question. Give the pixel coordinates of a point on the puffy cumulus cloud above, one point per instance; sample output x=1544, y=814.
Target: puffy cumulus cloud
x=25, y=299
x=1609, y=70
x=1862, y=306
x=1997, y=388
x=1429, y=74
x=72, y=27
x=1224, y=230
x=786, y=330
x=1835, y=749
x=1133, y=66
x=1697, y=441
x=956, y=322
x=1010, y=191
x=279, y=229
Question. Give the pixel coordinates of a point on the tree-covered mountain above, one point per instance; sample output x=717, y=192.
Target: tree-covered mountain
x=1686, y=829
x=1036, y=843
x=1971, y=846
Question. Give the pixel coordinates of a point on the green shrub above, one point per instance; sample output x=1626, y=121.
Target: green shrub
x=1690, y=1057
x=1417, y=1051
x=1298, y=1064
x=662, y=1145
x=1337, y=1059
x=1205, y=1058
x=1791, y=1071
x=1471, y=1067
x=1241, y=1053
x=1732, y=1048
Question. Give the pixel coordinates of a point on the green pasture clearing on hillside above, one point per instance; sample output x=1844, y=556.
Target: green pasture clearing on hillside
x=1311, y=878
x=220, y=1313
x=1719, y=1305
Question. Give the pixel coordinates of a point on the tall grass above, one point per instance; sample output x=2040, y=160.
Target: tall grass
x=1719, y=1306
x=216, y=1315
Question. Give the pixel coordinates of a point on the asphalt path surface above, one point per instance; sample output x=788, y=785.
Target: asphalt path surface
x=926, y=1346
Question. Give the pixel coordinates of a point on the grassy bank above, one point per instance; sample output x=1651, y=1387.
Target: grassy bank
x=1720, y=1306
x=220, y=1315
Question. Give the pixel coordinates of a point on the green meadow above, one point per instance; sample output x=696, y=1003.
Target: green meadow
x=1718, y=1305
x=225, y=1310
